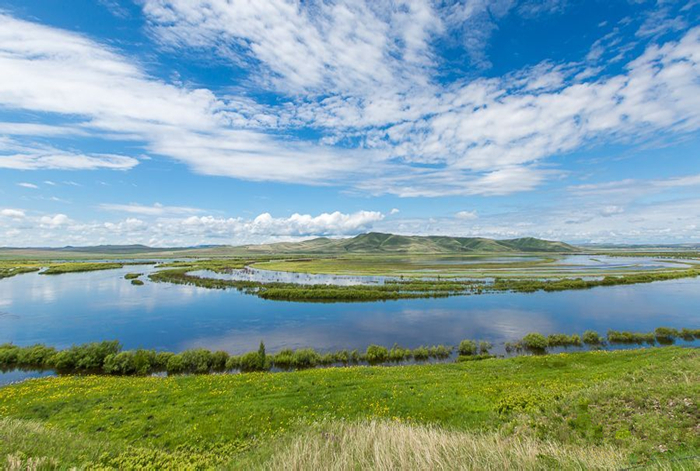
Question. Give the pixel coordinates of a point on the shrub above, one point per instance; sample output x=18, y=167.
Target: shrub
x=484, y=347
x=354, y=356
x=421, y=353
x=251, y=362
x=87, y=357
x=8, y=356
x=36, y=356
x=630, y=337
x=535, y=342
x=440, y=351
x=198, y=361
x=689, y=334
x=328, y=359
x=376, y=354
x=233, y=363
x=218, y=360
x=563, y=340
x=467, y=347
x=283, y=359
x=139, y=362
x=665, y=334
x=160, y=362
x=399, y=353
x=175, y=365
x=305, y=358
x=591, y=337
x=343, y=356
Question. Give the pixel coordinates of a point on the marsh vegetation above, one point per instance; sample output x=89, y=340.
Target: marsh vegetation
x=108, y=357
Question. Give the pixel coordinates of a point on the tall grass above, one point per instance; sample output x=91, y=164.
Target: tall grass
x=384, y=445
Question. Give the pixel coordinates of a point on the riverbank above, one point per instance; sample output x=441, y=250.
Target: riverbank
x=639, y=402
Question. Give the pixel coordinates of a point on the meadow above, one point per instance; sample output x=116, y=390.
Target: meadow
x=567, y=411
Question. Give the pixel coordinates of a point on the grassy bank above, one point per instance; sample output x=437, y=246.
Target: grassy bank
x=635, y=406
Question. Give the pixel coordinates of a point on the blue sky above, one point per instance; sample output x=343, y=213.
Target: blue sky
x=182, y=122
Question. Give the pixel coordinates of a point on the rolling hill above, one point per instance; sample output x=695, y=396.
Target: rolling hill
x=370, y=243
x=376, y=242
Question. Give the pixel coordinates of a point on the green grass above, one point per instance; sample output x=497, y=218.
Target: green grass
x=7, y=272
x=76, y=267
x=640, y=401
x=409, y=266
x=534, y=266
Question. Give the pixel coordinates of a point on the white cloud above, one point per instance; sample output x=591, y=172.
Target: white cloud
x=12, y=213
x=467, y=215
x=156, y=209
x=394, y=211
x=66, y=161
x=362, y=74
x=344, y=46
x=28, y=185
x=57, y=220
x=162, y=230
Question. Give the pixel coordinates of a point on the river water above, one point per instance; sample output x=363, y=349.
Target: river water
x=74, y=308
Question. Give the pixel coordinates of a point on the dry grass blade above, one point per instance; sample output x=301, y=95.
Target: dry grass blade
x=382, y=445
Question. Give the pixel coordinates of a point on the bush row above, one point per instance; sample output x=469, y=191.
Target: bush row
x=108, y=358
x=537, y=342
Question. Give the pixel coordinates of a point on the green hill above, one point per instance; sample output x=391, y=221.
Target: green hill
x=376, y=242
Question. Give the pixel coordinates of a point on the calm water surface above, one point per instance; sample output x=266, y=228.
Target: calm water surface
x=83, y=307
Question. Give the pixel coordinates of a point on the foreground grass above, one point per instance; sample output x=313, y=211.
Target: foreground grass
x=639, y=405
x=394, y=445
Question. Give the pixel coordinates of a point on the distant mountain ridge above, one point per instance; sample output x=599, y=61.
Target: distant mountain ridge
x=377, y=242
x=369, y=243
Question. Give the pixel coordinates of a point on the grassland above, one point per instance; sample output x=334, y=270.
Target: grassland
x=524, y=265
x=473, y=266
x=557, y=411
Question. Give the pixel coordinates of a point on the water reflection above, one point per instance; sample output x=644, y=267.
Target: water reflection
x=271, y=276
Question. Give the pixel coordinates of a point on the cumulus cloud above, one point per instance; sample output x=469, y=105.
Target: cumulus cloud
x=161, y=229
x=466, y=215
x=54, y=221
x=12, y=213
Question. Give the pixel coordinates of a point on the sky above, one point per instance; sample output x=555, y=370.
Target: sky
x=191, y=122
